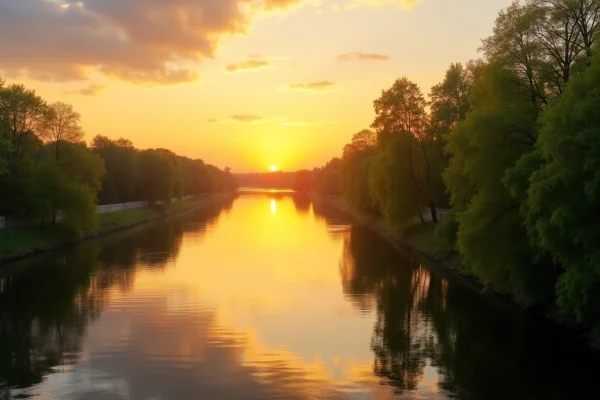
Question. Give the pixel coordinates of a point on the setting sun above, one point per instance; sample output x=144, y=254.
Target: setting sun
x=273, y=168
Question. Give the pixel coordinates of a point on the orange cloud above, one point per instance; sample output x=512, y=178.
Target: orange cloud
x=312, y=86
x=358, y=56
x=134, y=40
x=246, y=118
x=247, y=65
x=242, y=118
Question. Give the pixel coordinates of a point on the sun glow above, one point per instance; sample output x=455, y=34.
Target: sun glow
x=273, y=168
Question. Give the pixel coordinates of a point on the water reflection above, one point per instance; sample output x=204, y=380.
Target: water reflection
x=251, y=301
x=302, y=203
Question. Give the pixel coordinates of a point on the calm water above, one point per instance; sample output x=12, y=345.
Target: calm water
x=268, y=296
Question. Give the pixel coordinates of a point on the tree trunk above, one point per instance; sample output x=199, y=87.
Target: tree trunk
x=420, y=215
x=54, y=219
x=434, y=217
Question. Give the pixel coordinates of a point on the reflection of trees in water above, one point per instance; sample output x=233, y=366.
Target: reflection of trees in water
x=480, y=349
x=43, y=313
x=45, y=307
x=374, y=273
x=330, y=214
x=301, y=203
x=335, y=220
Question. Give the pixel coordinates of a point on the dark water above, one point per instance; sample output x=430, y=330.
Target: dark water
x=265, y=297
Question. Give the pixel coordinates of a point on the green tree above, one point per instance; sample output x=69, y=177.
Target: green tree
x=157, y=176
x=355, y=172
x=491, y=239
x=402, y=123
x=450, y=98
x=82, y=166
x=392, y=183
x=4, y=152
x=399, y=109
x=61, y=124
x=121, y=162
x=561, y=207
x=57, y=194
x=23, y=111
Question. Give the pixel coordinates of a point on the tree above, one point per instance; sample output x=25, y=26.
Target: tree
x=354, y=182
x=157, y=176
x=62, y=123
x=491, y=239
x=82, y=166
x=400, y=112
x=329, y=182
x=401, y=108
x=544, y=42
x=121, y=162
x=450, y=98
x=585, y=15
x=561, y=206
x=4, y=152
x=23, y=111
x=303, y=181
x=57, y=193
x=392, y=182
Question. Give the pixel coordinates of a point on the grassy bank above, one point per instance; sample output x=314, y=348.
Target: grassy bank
x=421, y=238
x=20, y=242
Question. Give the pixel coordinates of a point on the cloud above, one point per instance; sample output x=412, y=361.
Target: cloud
x=404, y=4
x=248, y=65
x=239, y=118
x=246, y=118
x=92, y=90
x=144, y=41
x=358, y=56
x=312, y=86
x=256, y=119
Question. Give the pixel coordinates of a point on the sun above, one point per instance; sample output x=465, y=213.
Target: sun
x=273, y=168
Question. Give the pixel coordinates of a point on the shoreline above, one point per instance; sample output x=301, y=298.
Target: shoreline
x=198, y=202
x=450, y=261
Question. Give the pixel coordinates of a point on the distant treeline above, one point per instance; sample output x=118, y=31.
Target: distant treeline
x=275, y=180
x=47, y=168
x=512, y=144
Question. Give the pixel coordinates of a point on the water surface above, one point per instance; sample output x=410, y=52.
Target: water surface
x=268, y=297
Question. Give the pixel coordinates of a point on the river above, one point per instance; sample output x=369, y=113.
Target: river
x=268, y=296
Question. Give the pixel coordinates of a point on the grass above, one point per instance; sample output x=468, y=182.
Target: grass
x=117, y=219
x=20, y=241
x=423, y=237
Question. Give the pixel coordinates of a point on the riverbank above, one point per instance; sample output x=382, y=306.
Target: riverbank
x=419, y=238
x=22, y=242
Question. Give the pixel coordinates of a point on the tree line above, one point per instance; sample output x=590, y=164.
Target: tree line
x=511, y=144
x=47, y=169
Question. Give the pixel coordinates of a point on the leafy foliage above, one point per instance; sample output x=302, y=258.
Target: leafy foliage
x=562, y=200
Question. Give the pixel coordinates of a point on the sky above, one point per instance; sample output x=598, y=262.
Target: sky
x=244, y=84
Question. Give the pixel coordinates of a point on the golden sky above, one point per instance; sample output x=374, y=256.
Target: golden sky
x=239, y=83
